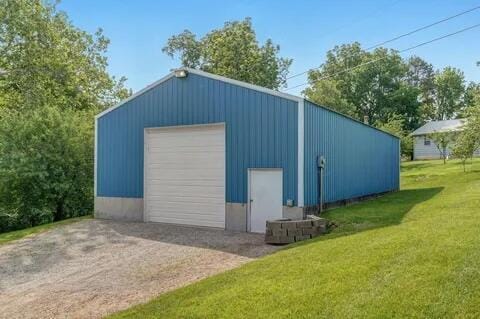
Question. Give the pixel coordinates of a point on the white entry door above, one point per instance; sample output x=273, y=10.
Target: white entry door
x=265, y=196
x=185, y=175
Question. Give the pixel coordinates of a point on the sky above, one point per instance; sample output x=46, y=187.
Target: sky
x=304, y=29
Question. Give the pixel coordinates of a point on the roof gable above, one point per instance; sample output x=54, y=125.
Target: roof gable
x=440, y=126
x=207, y=75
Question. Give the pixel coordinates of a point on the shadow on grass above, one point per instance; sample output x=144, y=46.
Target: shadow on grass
x=382, y=212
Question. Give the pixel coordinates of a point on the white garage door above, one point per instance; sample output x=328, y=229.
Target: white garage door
x=185, y=175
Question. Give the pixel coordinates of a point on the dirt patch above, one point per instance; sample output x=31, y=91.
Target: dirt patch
x=95, y=267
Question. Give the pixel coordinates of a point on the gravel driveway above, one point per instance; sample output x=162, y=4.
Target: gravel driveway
x=95, y=267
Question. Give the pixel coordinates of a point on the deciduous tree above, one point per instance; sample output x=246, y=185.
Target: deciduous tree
x=45, y=60
x=448, y=99
x=370, y=84
x=395, y=126
x=232, y=51
x=443, y=141
x=53, y=79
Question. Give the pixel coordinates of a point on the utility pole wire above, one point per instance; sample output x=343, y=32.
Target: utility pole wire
x=400, y=36
x=379, y=59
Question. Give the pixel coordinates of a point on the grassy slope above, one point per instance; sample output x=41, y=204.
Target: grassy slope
x=415, y=253
x=17, y=234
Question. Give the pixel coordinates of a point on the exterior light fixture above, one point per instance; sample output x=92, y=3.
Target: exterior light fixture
x=180, y=73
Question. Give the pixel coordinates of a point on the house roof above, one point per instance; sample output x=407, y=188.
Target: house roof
x=440, y=126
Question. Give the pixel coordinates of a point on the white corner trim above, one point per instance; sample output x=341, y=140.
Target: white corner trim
x=95, y=155
x=301, y=155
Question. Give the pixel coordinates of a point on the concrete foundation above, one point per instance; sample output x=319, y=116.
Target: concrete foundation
x=236, y=217
x=131, y=209
x=119, y=208
x=294, y=213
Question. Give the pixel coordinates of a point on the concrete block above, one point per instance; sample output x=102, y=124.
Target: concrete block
x=304, y=224
x=274, y=225
x=289, y=225
x=309, y=231
x=279, y=232
x=319, y=222
x=294, y=232
x=303, y=237
x=279, y=239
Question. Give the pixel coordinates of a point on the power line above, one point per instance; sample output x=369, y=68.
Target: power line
x=401, y=36
x=371, y=14
x=423, y=28
x=379, y=59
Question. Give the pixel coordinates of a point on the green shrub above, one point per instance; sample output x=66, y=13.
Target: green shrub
x=46, y=166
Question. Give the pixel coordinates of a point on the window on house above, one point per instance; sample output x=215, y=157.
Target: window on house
x=426, y=141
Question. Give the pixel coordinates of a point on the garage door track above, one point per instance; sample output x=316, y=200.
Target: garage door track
x=96, y=267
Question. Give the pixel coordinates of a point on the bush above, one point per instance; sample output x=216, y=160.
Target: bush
x=46, y=166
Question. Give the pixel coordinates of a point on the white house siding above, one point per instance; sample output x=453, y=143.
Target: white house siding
x=422, y=151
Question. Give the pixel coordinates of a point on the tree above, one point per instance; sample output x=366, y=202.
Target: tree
x=472, y=96
x=53, y=80
x=443, y=141
x=326, y=93
x=465, y=146
x=46, y=165
x=449, y=94
x=232, y=51
x=371, y=84
x=421, y=75
x=469, y=139
x=395, y=126
x=47, y=61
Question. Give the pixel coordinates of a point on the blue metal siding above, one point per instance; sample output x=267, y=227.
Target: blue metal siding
x=360, y=160
x=261, y=132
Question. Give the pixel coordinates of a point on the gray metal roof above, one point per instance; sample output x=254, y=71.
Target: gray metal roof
x=440, y=126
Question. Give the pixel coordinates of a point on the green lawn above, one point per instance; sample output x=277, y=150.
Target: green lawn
x=17, y=234
x=414, y=253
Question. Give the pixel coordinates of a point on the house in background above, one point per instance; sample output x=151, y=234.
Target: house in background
x=425, y=148
x=200, y=149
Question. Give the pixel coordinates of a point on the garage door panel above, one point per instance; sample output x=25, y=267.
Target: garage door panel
x=183, y=179
x=197, y=185
x=186, y=190
x=187, y=221
x=185, y=176
x=187, y=140
x=172, y=209
x=194, y=151
x=186, y=199
x=188, y=163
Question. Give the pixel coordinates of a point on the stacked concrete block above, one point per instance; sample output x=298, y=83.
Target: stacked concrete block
x=286, y=231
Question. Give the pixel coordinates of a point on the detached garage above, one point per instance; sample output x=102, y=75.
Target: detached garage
x=199, y=149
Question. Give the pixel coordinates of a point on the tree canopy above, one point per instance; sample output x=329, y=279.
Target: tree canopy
x=368, y=84
x=45, y=60
x=232, y=51
x=53, y=79
x=381, y=83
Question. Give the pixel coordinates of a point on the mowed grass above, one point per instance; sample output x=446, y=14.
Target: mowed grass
x=414, y=253
x=18, y=234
